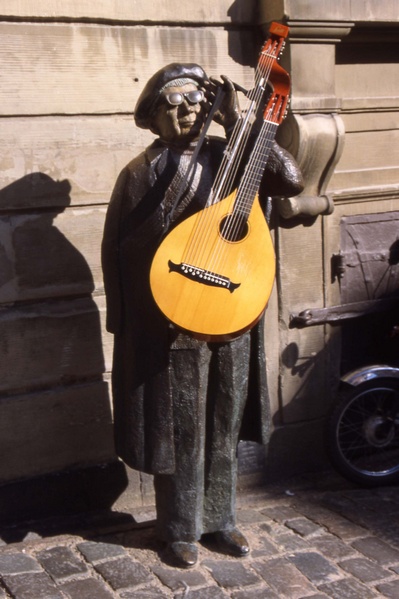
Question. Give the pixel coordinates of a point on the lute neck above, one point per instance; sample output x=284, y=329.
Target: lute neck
x=253, y=173
x=274, y=114
x=267, y=62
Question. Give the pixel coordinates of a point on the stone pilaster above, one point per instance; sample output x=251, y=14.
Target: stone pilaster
x=314, y=131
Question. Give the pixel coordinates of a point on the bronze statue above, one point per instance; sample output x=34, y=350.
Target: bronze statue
x=181, y=404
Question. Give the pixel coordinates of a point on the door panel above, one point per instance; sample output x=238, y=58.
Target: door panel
x=370, y=257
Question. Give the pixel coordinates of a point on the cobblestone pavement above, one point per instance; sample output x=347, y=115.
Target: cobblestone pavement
x=317, y=537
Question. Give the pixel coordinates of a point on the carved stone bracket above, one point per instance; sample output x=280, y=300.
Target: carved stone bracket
x=317, y=142
x=314, y=132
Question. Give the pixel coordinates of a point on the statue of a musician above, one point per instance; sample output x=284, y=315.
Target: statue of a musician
x=181, y=405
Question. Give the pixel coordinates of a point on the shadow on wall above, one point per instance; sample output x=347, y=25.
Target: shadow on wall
x=297, y=442
x=244, y=44
x=54, y=405
x=38, y=262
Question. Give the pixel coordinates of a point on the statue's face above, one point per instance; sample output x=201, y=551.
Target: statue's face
x=179, y=123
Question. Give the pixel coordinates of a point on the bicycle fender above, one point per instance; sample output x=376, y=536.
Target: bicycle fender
x=368, y=373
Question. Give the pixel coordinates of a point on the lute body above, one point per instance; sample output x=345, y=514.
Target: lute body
x=215, y=301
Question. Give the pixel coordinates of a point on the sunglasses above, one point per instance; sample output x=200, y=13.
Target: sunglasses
x=192, y=97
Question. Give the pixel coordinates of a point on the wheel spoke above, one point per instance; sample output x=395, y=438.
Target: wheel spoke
x=366, y=434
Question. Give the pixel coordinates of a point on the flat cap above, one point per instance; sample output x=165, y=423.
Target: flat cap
x=150, y=94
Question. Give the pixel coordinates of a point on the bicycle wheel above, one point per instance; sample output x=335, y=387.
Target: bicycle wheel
x=363, y=433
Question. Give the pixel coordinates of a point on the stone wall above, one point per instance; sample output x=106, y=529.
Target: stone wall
x=71, y=73
x=343, y=128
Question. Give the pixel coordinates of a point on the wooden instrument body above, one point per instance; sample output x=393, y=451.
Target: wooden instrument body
x=212, y=311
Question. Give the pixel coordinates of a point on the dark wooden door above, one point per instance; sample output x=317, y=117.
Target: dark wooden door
x=370, y=259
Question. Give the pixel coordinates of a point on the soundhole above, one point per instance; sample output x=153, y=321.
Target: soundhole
x=233, y=227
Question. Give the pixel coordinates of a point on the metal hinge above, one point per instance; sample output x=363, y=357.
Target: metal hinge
x=338, y=265
x=338, y=314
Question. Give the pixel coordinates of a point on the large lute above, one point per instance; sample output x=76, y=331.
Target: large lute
x=213, y=274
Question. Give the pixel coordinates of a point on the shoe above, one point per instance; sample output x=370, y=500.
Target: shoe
x=183, y=554
x=233, y=542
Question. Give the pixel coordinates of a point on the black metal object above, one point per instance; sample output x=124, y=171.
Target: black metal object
x=338, y=314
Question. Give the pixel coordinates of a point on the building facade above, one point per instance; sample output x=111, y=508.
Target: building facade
x=71, y=74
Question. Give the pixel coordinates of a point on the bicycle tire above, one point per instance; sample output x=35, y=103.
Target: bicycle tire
x=363, y=433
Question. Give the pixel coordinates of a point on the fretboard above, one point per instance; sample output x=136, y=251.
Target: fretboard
x=253, y=173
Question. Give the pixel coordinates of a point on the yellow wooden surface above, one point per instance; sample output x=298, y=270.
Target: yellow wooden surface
x=209, y=311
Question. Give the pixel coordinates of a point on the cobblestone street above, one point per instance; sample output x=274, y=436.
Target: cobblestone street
x=314, y=537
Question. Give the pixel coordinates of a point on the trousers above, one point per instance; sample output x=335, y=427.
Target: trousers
x=210, y=386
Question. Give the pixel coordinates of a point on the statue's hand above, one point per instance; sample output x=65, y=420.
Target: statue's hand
x=229, y=111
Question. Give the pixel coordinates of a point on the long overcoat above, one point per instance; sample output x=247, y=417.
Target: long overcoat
x=142, y=393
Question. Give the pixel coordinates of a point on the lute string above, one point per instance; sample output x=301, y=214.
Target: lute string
x=198, y=242
x=250, y=182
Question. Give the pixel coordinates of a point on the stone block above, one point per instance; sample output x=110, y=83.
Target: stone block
x=17, y=563
x=291, y=542
x=230, y=574
x=146, y=593
x=61, y=562
x=123, y=572
x=31, y=586
x=212, y=592
x=107, y=66
x=377, y=550
x=123, y=10
x=281, y=513
x=332, y=547
x=259, y=593
x=46, y=432
x=284, y=578
x=51, y=254
x=50, y=344
x=315, y=567
x=364, y=569
x=389, y=589
x=97, y=552
x=303, y=527
x=177, y=579
x=87, y=588
x=347, y=588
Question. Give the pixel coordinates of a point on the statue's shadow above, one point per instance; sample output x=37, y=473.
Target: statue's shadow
x=51, y=359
